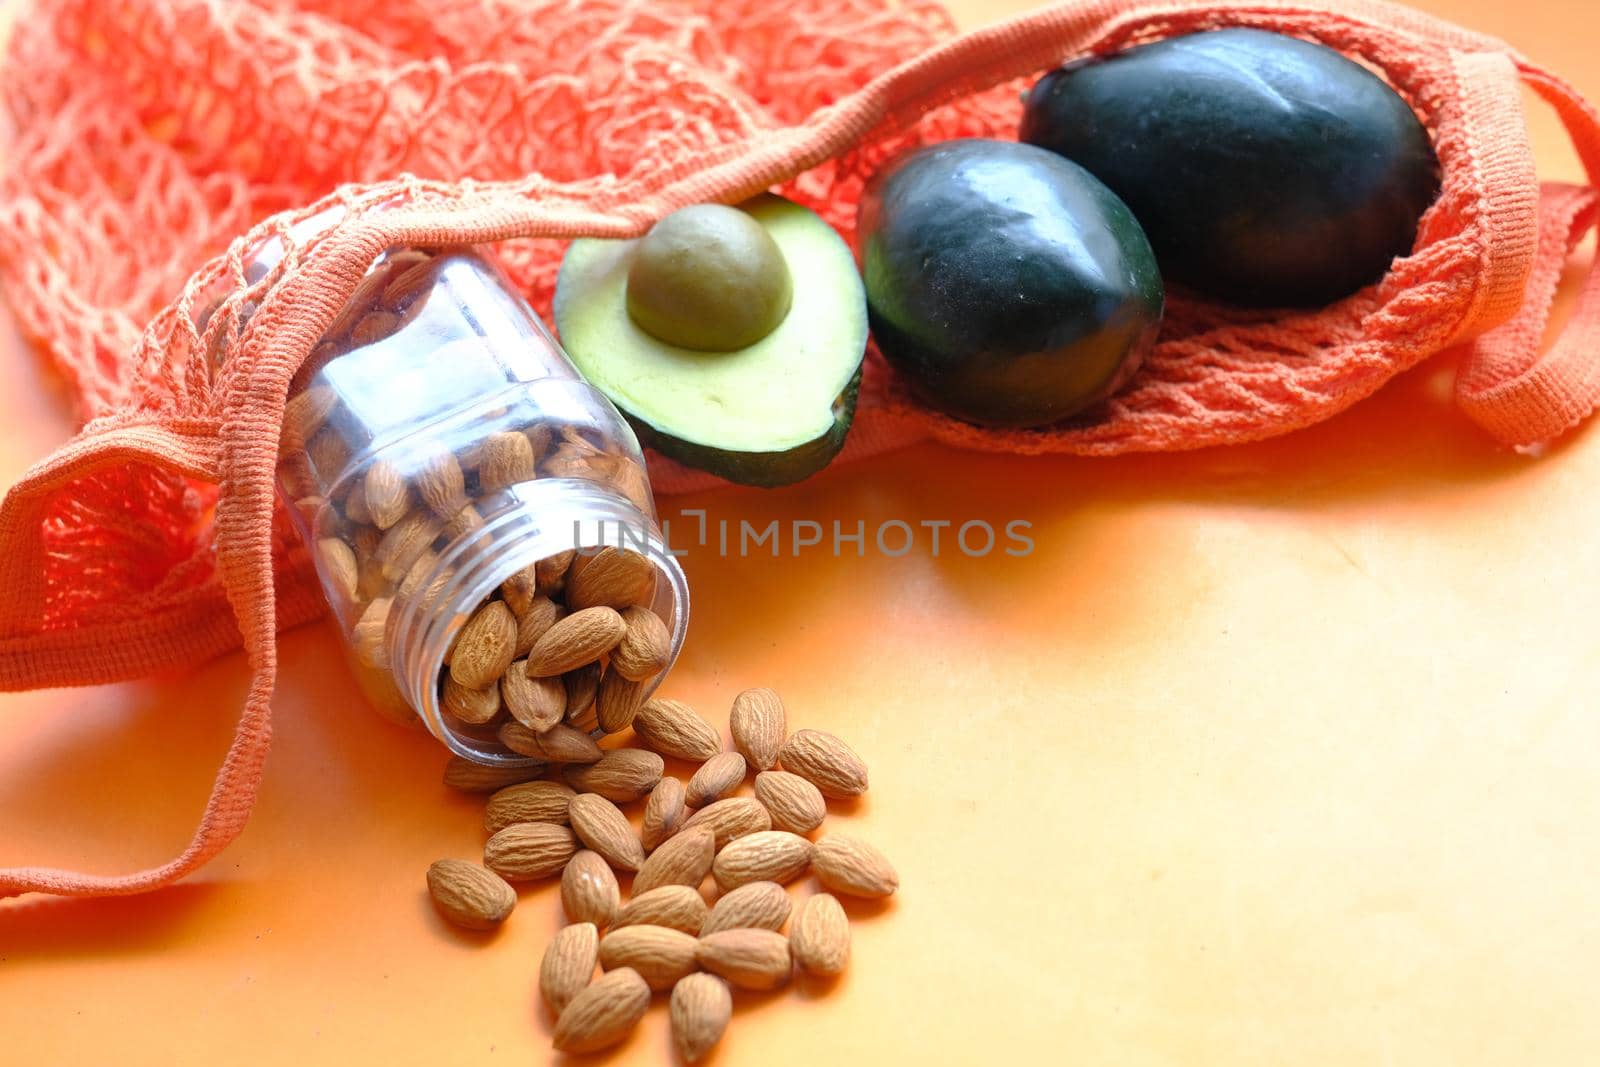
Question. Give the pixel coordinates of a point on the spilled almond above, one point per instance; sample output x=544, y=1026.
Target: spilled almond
x=603, y=1012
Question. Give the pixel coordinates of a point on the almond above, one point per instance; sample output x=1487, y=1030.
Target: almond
x=603, y=1013
x=505, y=458
x=475, y=706
x=683, y=859
x=365, y=541
x=430, y=597
x=370, y=635
x=407, y=280
x=361, y=301
x=759, y=726
x=421, y=572
x=304, y=415
x=355, y=508
x=470, y=895
x=582, y=637
x=826, y=762
x=370, y=293
x=678, y=907
x=848, y=865
x=628, y=478
x=403, y=542
x=518, y=738
x=483, y=650
x=563, y=744
x=518, y=591
x=589, y=892
x=611, y=577
x=527, y=850
x=370, y=581
x=672, y=728
x=388, y=496
x=466, y=776
x=537, y=703
x=820, y=940
x=794, y=803
x=462, y=523
x=617, y=702
x=551, y=572
x=583, y=685
x=297, y=480
x=663, y=813
x=441, y=485
x=374, y=326
x=700, y=1010
x=329, y=453
x=559, y=744
x=569, y=462
x=750, y=959
x=645, y=647
x=337, y=561
x=568, y=964
x=622, y=775
x=537, y=616
x=718, y=777
x=753, y=906
x=527, y=802
x=661, y=955
x=573, y=437
x=731, y=818
x=539, y=436
x=766, y=856
x=601, y=825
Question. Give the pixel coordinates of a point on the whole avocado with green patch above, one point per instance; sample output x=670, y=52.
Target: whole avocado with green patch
x=731, y=337
x=1006, y=285
x=1267, y=170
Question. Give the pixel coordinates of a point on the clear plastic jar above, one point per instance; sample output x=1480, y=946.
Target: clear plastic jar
x=442, y=453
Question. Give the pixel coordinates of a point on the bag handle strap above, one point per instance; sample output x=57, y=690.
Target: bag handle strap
x=192, y=451
x=1520, y=394
x=240, y=452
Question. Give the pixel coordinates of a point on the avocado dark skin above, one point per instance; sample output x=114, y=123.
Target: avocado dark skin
x=1005, y=284
x=1267, y=170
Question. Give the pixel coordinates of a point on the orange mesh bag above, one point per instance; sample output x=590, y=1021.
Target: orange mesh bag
x=152, y=134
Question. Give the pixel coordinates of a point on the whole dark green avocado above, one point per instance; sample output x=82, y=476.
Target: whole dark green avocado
x=1267, y=170
x=1004, y=283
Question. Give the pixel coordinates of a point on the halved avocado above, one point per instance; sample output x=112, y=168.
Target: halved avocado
x=769, y=413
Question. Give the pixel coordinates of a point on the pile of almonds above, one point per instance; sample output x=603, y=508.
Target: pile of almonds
x=666, y=937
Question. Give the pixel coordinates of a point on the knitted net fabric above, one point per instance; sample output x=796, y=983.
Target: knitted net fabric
x=156, y=143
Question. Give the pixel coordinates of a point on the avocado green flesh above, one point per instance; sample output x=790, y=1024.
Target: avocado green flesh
x=767, y=414
x=768, y=470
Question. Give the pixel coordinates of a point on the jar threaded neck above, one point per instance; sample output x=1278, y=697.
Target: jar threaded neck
x=537, y=520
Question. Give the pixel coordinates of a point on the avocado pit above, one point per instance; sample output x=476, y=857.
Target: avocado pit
x=709, y=278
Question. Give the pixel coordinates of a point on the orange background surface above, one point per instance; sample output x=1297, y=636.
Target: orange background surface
x=1278, y=754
